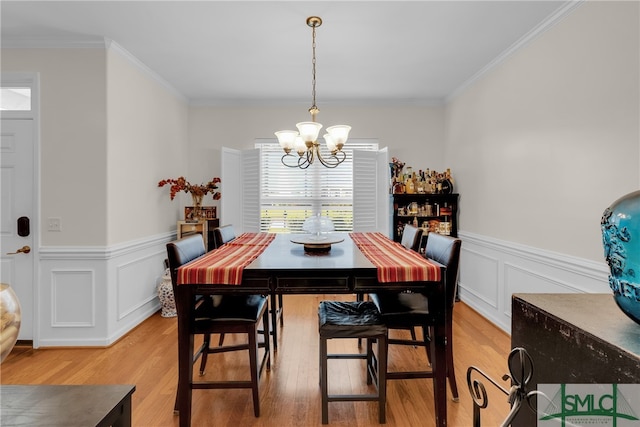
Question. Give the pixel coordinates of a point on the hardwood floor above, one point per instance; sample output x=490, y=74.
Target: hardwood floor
x=289, y=394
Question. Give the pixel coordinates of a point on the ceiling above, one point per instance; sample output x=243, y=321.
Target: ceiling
x=259, y=52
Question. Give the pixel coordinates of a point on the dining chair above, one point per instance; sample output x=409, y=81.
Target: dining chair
x=404, y=310
x=411, y=237
x=225, y=234
x=353, y=319
x=225, y=314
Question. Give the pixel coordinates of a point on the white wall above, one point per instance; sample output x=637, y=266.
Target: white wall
x=73, y=142
x=415, y=134
x=147, y=134
x=110, y=131
x=545, y=142
x=539, y=147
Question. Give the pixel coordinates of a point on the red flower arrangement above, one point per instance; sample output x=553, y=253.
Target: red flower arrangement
x=197, y=191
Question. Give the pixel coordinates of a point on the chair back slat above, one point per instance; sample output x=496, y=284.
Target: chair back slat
x=180, y=252
x=223, y=234
x=411, y=237
x=446, y=251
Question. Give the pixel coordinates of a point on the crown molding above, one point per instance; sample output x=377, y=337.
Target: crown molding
x=115, y=47
x=559, y=14
x=368, y=102
x=87, y=42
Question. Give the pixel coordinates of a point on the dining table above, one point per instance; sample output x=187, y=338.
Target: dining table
x=267, y=264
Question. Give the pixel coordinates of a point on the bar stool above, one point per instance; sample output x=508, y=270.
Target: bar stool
x=353, y=319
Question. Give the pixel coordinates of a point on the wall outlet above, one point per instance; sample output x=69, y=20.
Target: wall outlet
x=54, y=224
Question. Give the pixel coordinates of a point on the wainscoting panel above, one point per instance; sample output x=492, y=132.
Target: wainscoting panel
x=137, y=281
x=482, y=270
x=73, y=300
x=92, y=296
x=491, y=271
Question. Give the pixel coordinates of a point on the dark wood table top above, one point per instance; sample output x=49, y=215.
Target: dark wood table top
x=60, y=405
x=284, y=255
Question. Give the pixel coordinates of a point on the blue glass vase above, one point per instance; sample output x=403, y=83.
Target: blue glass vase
x=621, y=239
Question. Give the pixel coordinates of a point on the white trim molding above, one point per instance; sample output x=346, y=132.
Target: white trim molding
x=562, y=12
x=92, y=296
x=88, y=42
x=492, y=270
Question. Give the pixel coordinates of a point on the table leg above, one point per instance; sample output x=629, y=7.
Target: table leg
x=438, y=305
x=184, y=301
x=274, y=319
x=438, y=350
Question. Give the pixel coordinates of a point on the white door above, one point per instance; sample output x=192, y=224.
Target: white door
x=17, y=207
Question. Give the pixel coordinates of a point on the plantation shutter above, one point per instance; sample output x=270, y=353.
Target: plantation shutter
x=231, y=172
x=251, y=191
x=371, y=211
x=290, y=195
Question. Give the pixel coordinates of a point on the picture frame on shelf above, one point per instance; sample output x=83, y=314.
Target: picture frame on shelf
x=209, y=212
x=206, y=212
x=188, y=213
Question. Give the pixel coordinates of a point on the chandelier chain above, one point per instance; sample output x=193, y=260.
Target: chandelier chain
x=305, y=140
x=313, y=69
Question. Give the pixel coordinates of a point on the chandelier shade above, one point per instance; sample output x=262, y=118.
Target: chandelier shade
x=309, y=131
x=304, y=141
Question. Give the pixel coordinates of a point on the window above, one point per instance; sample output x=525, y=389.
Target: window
x=290, y=195
x=15, y=99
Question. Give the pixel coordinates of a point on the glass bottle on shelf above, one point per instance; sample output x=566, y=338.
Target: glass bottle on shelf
x=410, y=186
x=398, y=187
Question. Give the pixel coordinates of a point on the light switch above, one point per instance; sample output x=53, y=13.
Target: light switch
x=54, y=224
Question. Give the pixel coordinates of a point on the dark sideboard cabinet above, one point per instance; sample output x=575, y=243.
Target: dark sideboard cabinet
x=574, y=339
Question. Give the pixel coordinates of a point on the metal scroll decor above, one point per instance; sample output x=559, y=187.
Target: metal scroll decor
x=520, y=373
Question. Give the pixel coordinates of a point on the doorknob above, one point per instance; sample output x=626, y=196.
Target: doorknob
x=22, y=250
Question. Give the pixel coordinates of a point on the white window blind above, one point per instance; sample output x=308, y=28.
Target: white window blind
x=290, y=195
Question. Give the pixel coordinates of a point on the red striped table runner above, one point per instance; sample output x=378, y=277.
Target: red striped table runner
x=394, y=262
x=224, y=266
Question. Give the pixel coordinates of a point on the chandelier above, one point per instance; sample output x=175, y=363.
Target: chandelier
x=304, y=141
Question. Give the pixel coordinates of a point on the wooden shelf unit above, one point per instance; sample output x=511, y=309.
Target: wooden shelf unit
x=204, y=227
x=444, y=209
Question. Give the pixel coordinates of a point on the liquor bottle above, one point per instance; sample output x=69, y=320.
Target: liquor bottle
x=410, y=186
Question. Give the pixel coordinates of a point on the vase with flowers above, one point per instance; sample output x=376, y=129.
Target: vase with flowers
x=197, y=191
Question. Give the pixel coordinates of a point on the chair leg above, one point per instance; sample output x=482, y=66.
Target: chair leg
x=359, y=298
x=369, y=354
x=382, y=379
x=176, y=410
x=253, y=362
x=221, y=340
x=273, y=309
x=324, y=388
x=281, y=310
x=427, y=340
x=450, y=368
x=267, y=344
x=205, y=353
